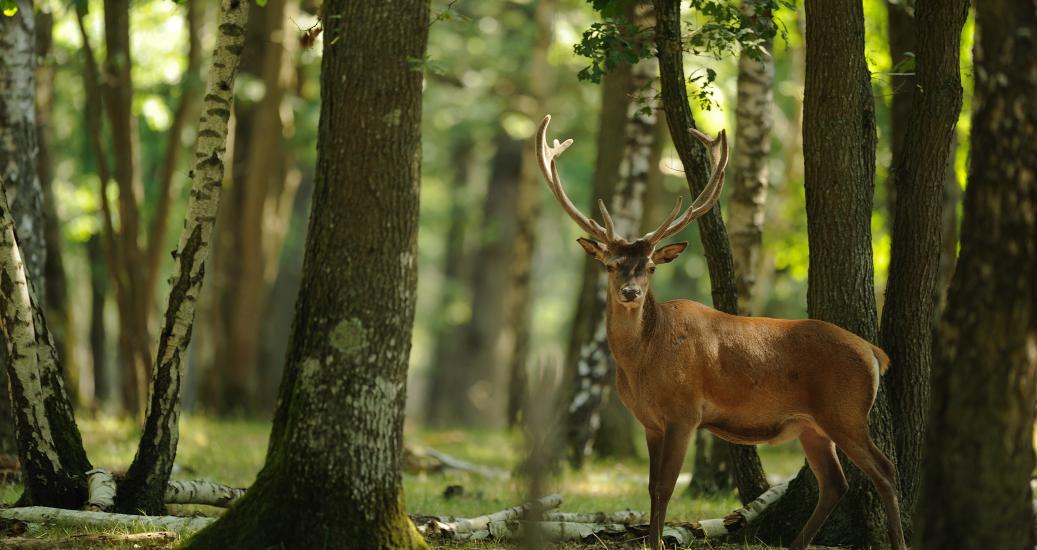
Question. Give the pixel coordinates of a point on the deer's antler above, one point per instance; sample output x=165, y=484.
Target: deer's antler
x=717, y=148
x=546, y=158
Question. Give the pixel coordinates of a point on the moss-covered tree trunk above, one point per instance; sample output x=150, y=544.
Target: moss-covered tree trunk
x=920, y=175
x=144, y=486
x=839, y=160
x=751, y=480
x=332, y=476
x=980, y=437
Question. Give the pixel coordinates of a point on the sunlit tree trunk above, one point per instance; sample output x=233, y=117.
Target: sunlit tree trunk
x=333, y=466
x=143, y=488
x=980, y=436
x=839, y=156
x=920, y=176
x=712, y=232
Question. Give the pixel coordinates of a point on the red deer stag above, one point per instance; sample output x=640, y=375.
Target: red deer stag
x=682, y=365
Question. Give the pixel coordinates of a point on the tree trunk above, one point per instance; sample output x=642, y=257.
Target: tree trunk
x=49, y=444
x=249, y=233
x=468, y=395
x=715, y=244
x=616, y=92
x=117, y=87
x=103, y=387
x=17, y=173
x=753, y=123
x=903, y=54
x=980, y=437
x=143, y=488
x=948, y=232
x=839, y=157
x=594, y=383
x=333, y=466
x=921, y=173
x=445, y=368
x=527, y=212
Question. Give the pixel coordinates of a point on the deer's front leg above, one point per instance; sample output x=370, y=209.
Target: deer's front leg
x=655, y=457
x=674, y=447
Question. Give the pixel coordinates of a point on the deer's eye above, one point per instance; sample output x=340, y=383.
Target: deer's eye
x=651, y=269
x=610, y=268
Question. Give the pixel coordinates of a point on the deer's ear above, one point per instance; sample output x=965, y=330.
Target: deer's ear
x=668, y=253
x=595, y=249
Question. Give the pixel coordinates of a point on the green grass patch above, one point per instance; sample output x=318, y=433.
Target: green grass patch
x=233, y=451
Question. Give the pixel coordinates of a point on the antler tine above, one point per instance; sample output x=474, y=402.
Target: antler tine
x=610, y=228
x=546, y=159
x=666, y=223
x=710, y=194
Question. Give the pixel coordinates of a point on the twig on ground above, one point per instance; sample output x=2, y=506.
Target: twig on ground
x=60, y=516
x=424, y=459
x=22, y=543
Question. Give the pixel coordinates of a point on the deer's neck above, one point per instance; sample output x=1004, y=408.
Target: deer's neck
x=629, y=328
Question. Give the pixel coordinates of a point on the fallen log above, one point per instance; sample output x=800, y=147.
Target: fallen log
x=25, y=543
x=202, y=492
x=481, y=523
x=101, y=488
x=62, y=517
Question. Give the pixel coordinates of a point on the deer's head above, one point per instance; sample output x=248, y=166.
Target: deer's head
x=630, y=264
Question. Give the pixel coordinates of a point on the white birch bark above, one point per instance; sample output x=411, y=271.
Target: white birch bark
x=17, y=321
x=745, y=209
x=202, y=492
x=100, y=491
x=595, y=365
x=481, y=523
x=79, y=518
x=149, y=473
x=427, y=459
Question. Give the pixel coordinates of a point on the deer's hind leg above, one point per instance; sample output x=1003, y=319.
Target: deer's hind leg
x=831, y=483
x=860, y=449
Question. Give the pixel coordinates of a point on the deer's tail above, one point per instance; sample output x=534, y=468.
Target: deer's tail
x=882, y=357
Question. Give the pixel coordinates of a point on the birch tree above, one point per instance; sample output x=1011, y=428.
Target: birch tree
x=595, y=368
x=144, y=487
x=333, y=466
x=980, y=436
x=746, y=463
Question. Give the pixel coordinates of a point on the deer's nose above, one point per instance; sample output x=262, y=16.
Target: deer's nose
x=630, y=292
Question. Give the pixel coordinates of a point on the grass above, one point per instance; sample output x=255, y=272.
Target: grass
x=232, y=452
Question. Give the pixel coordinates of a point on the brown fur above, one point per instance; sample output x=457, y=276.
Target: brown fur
x=749, y=380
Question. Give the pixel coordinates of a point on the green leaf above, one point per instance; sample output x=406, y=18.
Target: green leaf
x=9, y=7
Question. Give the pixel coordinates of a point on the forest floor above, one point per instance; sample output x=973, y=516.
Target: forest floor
x=232, y=452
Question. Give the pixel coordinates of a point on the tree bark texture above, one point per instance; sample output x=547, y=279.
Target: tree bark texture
x=746, y=206
x=145, y=482
x=50, y=473
x=903, y=54
x=527, y=212
x=921, y=173
x=715, y=243
x=985, y=374
x=17, y=171
x=595, y=368
x=839, y=161
x=332, y=476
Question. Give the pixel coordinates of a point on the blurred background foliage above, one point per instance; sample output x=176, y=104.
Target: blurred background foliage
x=478, y=97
